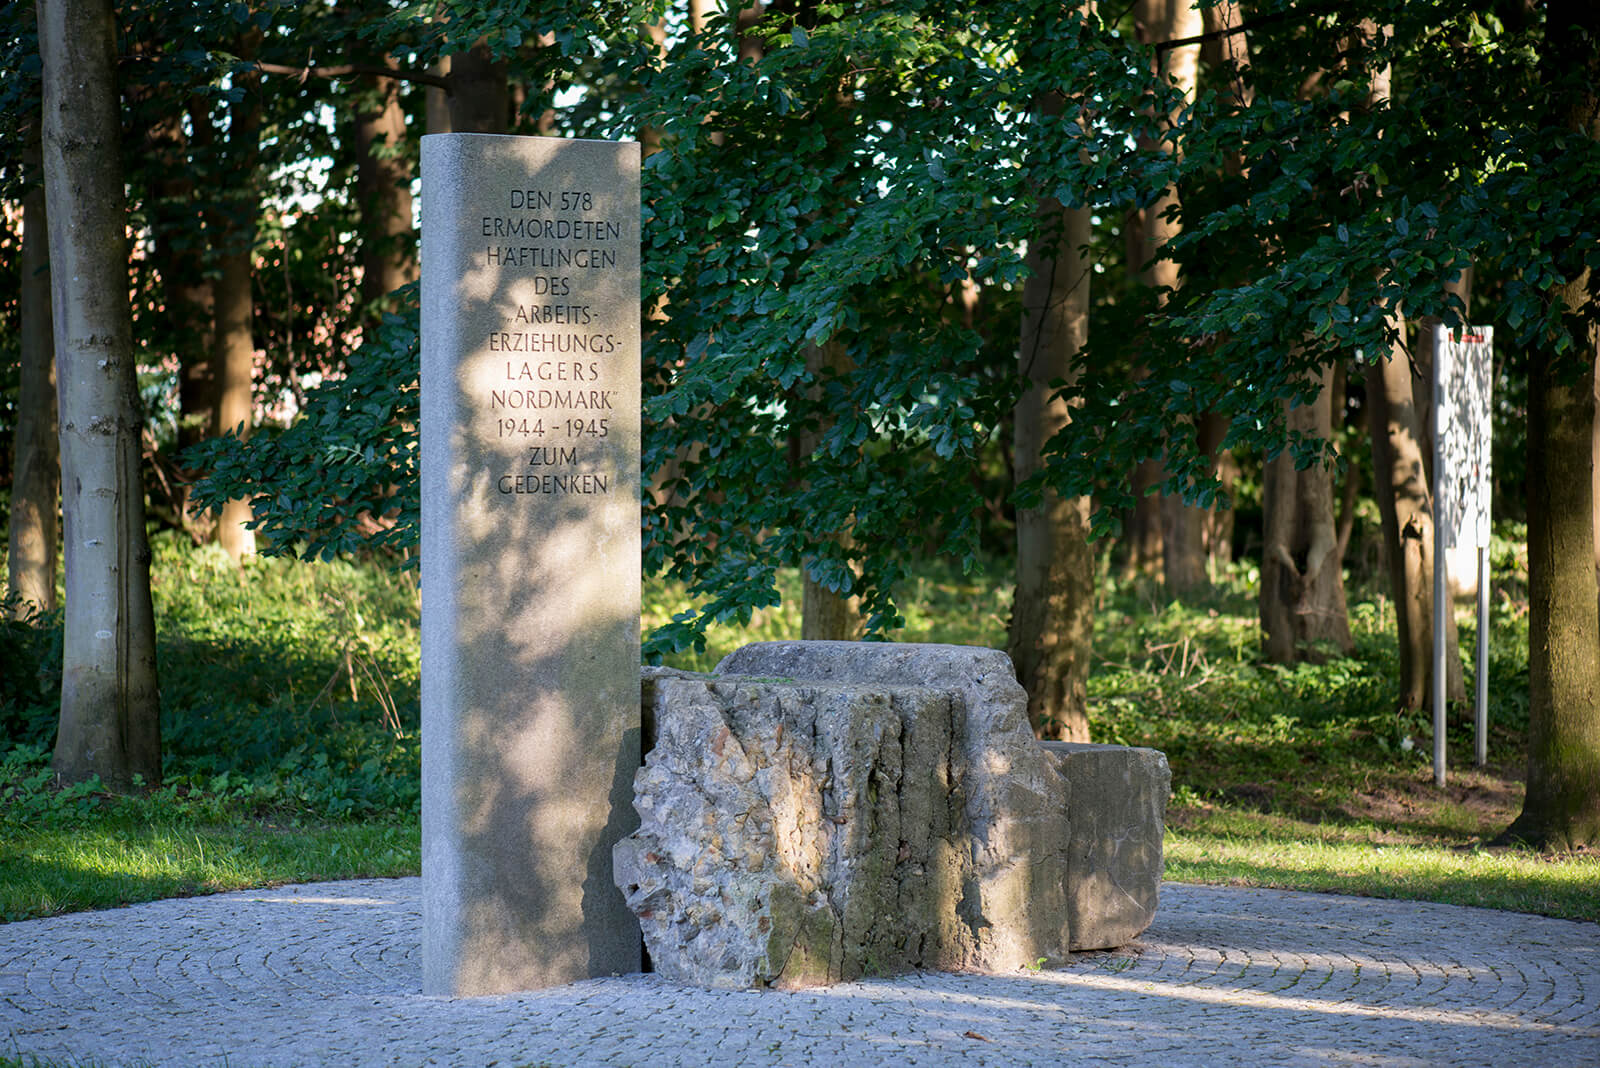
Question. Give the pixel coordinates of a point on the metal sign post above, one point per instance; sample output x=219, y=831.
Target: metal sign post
x=1463, y=381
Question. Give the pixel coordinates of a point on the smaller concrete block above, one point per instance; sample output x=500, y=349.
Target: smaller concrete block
x=1119, y=802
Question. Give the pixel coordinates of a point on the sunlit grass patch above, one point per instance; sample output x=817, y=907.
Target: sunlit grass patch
x=1303, y=857
x=104, y=866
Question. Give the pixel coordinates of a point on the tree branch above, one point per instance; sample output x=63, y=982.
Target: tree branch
x=1228, y=31
x=348, y=69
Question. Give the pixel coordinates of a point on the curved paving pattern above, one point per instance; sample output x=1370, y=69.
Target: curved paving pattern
x=330, y=973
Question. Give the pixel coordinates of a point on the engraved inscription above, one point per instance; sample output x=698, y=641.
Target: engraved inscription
x=554, y=397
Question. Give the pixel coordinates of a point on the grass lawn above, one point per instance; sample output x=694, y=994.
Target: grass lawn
x=290, y=723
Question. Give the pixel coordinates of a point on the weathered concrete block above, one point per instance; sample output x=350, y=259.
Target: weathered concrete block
x=1119, y=802
x=781, y=842
x=1015, y=807
x=806, y=830
x=818, y=811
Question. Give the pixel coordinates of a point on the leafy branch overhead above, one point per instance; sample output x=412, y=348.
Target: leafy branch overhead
x=835, y=232
x=342, y=477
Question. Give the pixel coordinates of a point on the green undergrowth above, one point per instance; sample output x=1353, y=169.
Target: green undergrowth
x=290, y=730
x=291, y=722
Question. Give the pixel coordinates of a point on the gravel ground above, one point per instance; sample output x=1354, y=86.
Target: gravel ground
x=330, y=973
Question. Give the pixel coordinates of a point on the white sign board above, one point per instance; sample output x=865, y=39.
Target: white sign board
x=1463, y=367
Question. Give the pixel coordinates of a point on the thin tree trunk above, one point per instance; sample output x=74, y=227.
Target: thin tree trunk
x=751, y=47
x=35, y=534
x=1052, y=612
x=233, y=346
x=176, y=254
x=1405, y=505
x=383, y=182
x=192, y=303
x=110, y=707
x=1142, y=532
x=1404, y=495
x=1229, y=55
x=1182, y=543
x=826, y=615
x=1218, y=530
x=1303, y=613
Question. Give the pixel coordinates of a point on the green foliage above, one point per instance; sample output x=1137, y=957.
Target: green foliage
x=1311, y=218
x=343, y=477
x=30, y=685
x=815, y=399
x=276, y=770
x=330, y=722
x=815, y=394
x=286, y=689
x=290, y=723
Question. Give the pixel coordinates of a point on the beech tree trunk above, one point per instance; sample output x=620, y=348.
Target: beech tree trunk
x=110, y=709
x=1183, y=528
x=233, y=346
x=480, y=99
x=826, y=615
x=1052, y=612
x=1218, y=530
x=1303, y=613
x=35, y=535
x=1403, y=491
x=1142, y=532
x=1561, y=809
x=437, y=101
x=383, y=183
x=1405, y=504
x=191, y=303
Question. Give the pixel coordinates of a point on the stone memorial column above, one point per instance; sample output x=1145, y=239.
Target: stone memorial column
x=530, y=558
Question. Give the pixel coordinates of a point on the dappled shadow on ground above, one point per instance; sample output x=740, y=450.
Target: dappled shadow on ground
x=1383, y=806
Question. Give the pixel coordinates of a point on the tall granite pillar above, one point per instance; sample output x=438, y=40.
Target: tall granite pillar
x=530, y=558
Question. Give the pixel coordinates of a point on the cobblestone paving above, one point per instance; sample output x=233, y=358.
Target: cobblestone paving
x=330, y=973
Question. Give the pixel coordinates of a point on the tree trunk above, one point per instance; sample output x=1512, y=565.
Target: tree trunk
x=1405, y=505
x=1228, y=55
x=437, y=101
x=191, y=301
x=177, y=255
x=1182, y=542
x=1052, y=612
x=233, y=346
x=35, y=535
x=1218, y=532
x=824, y=614
x=828, y=616
x=383, y=183
x=480, y=99
x=233, y=359
x=110, y=705
x=1303, y=614
x=1142, y=532
x=1561, y=809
